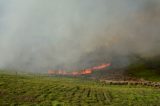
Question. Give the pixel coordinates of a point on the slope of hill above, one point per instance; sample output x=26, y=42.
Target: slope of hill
x=147, y=69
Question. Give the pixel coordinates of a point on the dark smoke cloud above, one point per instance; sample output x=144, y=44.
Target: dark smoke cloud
x=37, y=35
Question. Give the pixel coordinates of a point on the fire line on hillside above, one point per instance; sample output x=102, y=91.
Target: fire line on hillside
x=82, y=72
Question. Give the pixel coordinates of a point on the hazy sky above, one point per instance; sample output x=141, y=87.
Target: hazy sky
x=37, y=35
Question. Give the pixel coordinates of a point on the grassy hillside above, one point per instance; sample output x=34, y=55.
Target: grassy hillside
x=148, y=69
x=55, y=91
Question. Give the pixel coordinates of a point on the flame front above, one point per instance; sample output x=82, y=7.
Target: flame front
x=76, y=73
x=86, y=71
x=101, y=66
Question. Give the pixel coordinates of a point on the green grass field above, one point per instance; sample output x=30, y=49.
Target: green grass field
x=30, y=90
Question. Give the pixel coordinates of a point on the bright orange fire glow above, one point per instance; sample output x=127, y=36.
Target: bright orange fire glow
x=86, y=71
x=76, y=73
x=101, y=66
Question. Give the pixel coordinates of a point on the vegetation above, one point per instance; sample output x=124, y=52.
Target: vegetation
x=30, y=90
x=148, y=69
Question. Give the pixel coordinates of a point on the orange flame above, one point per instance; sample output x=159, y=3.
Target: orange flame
x=101, y=66
x=86, y=71
x=75, y=73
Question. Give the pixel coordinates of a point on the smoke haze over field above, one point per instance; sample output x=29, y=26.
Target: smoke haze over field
x=37, y=35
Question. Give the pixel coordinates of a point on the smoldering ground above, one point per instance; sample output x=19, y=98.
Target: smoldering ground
x=37, y=35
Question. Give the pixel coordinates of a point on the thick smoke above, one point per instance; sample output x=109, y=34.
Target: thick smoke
x=37, y=35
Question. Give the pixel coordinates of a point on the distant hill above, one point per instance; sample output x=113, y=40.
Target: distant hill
x=145, y=68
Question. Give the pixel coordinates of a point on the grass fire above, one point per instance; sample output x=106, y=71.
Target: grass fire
x=77, y=73
x=79, y=53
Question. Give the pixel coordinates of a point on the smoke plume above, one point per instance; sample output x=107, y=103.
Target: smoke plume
x=37, y=35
